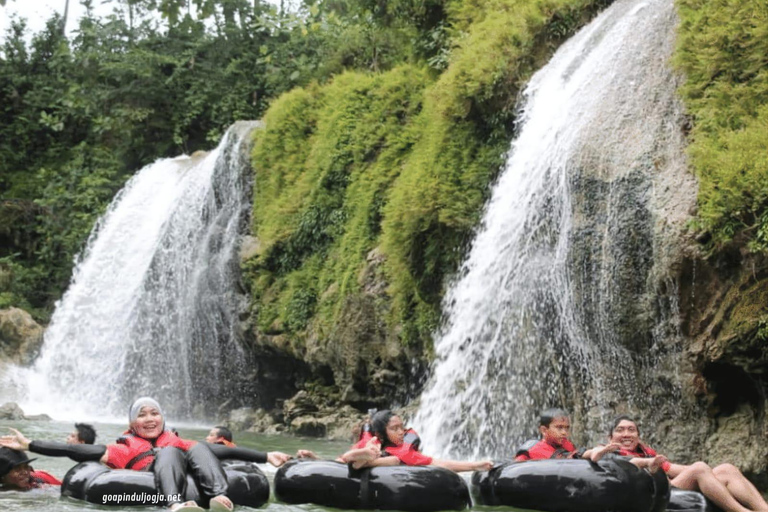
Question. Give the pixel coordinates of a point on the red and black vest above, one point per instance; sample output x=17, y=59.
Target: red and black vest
x=366, y=434
x=134, y=452
x=640, y=450
x=408, y=451
x=644, y=452
x=541, y=449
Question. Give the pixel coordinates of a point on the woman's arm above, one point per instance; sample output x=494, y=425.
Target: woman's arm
x=457, y=466
x=76, y=452
x=277, y=459
x=226, y=452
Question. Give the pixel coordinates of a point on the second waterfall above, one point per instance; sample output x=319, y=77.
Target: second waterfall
x=153, y=305
x=568, y=294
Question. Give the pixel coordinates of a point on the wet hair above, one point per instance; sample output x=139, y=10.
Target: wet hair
x=379, y=424
x=618, y=420
x=86, y=433
x=548, y=415
x=224, y=432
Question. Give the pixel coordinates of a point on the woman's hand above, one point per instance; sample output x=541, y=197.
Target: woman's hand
x=306, y=454
x=15, y=441
x=277, y=459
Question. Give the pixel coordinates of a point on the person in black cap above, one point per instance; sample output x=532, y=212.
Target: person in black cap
x=16, y=473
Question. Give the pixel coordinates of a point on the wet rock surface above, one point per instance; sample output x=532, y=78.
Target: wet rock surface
x=20, y=336
x=12, y=411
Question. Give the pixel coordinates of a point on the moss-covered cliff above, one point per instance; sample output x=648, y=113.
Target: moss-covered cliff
x=368, y=189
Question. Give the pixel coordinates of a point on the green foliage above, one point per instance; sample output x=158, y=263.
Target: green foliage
x=398, y=162
x=323, y=166
x=723, y=50
x=80, y=116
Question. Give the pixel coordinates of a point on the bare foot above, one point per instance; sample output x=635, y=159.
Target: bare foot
x=188, y=506
x=277, y=459
x=656, y=463
x=221, y=504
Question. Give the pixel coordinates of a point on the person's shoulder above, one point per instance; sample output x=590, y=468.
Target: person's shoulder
x=44, y=478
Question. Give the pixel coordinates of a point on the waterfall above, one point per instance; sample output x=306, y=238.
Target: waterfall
x=153, y=303
x=567, y=297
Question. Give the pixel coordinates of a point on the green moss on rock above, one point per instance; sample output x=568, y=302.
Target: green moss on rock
x=368, y=187
x=723, y=51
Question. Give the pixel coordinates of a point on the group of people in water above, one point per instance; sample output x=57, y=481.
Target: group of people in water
x=148, y=445
x=724, y=485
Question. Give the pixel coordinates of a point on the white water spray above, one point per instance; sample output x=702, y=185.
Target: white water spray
x=558, y=302
x=152, y=306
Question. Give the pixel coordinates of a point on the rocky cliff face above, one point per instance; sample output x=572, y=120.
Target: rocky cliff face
x=360, y=363
x=724, y=308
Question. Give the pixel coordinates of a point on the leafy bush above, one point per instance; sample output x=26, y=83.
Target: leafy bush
x=398, y=161
x=723, y=49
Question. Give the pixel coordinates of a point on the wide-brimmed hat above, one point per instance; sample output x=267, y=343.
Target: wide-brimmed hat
x=9, y=459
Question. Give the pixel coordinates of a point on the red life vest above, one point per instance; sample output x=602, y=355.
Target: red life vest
x=641, y=451
x=134, y=452
x=40, y=478
x=366, y=434
x=545, y=450
x=408, y=451
x=226, y=443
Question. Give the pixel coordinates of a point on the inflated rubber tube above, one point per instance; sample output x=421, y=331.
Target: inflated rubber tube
x=407, y=488
x=690, y=501
x=96, y=483
x=557, y=485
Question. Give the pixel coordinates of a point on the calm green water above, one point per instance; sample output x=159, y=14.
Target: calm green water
x=49, y=500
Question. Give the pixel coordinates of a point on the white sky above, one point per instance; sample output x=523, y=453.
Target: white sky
x=37, y=12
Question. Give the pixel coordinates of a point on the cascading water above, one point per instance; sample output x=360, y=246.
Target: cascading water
x=566, y=298
x=152, y=307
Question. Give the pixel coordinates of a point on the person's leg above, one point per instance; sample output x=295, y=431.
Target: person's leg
x=207, y=470
x=170, y=469
x=699, y=477
x=739, y=487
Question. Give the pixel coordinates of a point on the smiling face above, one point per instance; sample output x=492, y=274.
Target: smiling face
x=557, y=431
x=626, y=434
x=395, y=430
x=20, y=477
x=149, y=423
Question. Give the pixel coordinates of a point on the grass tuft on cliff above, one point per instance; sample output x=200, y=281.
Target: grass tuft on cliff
x=723, y=51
